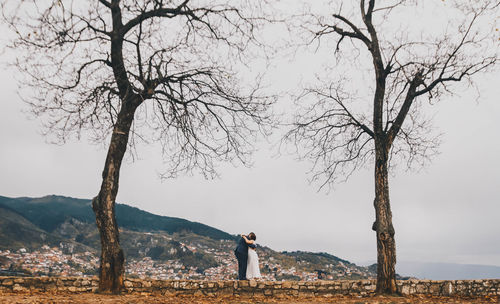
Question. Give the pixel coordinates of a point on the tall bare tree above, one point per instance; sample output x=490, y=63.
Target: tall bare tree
x=403, y=66
x=157, y=70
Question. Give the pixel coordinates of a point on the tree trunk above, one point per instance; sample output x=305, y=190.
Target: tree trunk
x=112, y=269
x=386, y=245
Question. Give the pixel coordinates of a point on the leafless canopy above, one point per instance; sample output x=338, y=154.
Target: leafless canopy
x=179, y=61
x=404, y=64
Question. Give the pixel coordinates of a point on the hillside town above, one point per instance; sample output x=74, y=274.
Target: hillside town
x=56, y=261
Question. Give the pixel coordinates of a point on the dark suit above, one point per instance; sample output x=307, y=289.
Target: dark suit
x=241, y=253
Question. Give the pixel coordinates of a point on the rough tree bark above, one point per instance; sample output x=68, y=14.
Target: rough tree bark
x=111, y=270
x=386, y=244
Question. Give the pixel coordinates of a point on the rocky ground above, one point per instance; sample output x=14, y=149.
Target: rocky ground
x=46, y=298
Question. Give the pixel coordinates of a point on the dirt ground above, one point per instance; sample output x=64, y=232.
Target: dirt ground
x=140, y=299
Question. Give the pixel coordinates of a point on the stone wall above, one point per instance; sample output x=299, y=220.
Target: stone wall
x=253, y=288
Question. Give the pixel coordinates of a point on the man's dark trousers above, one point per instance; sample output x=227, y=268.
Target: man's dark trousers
x=242, y=264
x=241, y=253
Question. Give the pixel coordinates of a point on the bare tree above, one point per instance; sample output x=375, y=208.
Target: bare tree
x=158, y=70
x=340, y=134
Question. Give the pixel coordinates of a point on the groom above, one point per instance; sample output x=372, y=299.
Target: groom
x=241, y=253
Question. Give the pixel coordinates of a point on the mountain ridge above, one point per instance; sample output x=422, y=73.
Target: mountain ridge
x=34, y=210
x=167, y=242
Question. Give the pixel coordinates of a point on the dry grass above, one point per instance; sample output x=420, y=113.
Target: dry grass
x=46, y=298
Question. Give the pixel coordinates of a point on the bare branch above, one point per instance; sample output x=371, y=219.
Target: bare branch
x=106, y=3
x=86, y=62
x=164, y=12
x=406, y=67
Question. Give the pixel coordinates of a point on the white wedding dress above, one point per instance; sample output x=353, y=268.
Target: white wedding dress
x=253, y=271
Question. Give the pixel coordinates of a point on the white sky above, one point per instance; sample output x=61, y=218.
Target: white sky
x=447, y=212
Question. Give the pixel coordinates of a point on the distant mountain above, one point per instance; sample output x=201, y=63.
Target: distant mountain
x=16, y=231
x=69, y=223
x=448, y=271
x=49, y=212
x=317, y=259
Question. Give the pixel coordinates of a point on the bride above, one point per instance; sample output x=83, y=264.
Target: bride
x=253, y=271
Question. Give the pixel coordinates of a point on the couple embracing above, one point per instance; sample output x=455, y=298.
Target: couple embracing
x=248, y=261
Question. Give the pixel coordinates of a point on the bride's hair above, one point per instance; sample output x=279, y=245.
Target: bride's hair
x=252, y=236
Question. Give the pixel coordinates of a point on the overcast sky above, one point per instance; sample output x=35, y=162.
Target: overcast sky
x=447, y=212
